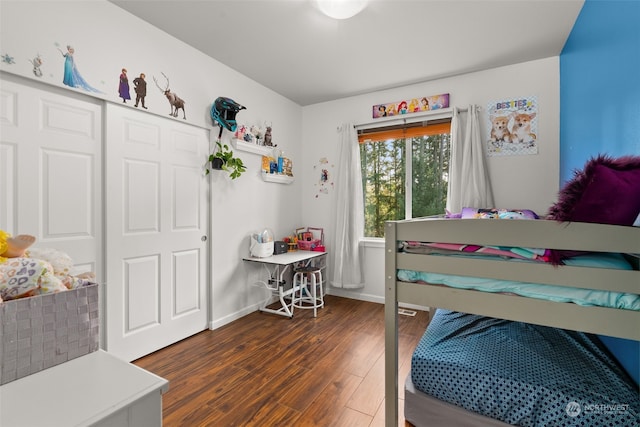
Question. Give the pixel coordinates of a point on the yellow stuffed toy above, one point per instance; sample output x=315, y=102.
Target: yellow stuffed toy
x=14, y=247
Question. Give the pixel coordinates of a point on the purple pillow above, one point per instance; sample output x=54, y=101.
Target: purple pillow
x=606, y=191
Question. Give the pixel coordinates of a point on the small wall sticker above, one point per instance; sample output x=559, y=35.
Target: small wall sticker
x=325, y=176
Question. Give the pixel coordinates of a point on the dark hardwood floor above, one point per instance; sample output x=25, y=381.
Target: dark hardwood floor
x=268, y=370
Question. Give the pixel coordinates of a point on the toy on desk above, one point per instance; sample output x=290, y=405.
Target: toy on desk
x=292, y=242
x=310, y=239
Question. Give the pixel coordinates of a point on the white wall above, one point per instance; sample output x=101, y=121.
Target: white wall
x=106, y=39
x=518, y=181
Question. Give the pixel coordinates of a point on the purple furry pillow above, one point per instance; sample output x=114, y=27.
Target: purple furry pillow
x=606, y=191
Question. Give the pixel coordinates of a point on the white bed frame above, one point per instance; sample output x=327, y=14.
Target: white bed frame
x=516, y=233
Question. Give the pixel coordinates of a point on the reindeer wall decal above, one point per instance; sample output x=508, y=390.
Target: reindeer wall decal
x=175, y=101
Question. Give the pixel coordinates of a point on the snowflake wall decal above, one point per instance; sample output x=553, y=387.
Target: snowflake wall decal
x=8, y=59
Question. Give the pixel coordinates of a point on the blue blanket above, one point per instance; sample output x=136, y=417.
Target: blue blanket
x=523, y=374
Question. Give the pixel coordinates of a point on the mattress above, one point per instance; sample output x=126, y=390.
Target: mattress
x=422, y=410
x=523, y=374
x=586, y=297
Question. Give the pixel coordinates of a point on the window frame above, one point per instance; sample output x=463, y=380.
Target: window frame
x=407, y=130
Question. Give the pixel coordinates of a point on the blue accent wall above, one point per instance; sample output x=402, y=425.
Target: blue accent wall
x=600, y=103
x=600, y=84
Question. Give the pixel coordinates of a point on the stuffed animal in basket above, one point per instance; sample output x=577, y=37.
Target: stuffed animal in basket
x=13, y=247
x=26, y=271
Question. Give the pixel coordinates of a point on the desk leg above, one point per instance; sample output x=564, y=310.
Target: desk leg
x=278, y=277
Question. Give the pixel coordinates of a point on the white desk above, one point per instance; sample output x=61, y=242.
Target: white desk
x=93, y=390
x=276, y=266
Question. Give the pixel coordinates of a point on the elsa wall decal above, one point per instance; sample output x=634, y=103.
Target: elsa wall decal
x=72, y=76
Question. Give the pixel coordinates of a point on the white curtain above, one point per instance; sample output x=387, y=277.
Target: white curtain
x=469, y=184
x=349, y=213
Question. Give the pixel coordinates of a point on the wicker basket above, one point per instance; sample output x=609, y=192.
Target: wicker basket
x=39, y=332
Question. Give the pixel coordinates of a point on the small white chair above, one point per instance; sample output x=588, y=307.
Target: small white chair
x=308, y=290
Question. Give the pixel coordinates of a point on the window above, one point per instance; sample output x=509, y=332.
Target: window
x=391, y=157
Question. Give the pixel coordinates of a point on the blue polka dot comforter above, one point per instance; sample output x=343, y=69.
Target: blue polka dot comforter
x=523, y=374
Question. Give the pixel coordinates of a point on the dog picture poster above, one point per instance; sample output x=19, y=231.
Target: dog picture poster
x=512, y=127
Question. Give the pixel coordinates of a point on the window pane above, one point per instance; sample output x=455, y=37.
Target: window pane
x=430, y=161
x=383, y=181
x=387, y=157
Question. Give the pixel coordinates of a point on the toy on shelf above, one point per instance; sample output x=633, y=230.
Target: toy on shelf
x=241, y=132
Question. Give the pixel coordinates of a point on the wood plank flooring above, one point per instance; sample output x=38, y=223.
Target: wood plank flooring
x=268, y=370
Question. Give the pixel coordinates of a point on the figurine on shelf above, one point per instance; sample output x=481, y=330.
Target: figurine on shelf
x=257, y=134
x=267, y=137
x=241, y=132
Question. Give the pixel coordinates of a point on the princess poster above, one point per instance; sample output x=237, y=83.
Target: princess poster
x=413, y=105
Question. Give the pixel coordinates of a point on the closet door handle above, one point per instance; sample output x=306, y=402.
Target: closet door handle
x=203, y=238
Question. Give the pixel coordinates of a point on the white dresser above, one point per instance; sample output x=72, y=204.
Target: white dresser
x=93, y=390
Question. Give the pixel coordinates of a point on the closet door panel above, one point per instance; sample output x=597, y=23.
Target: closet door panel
x=72, y=121
x=8, y=183
x=71, y=176
x=52, y=139
x=185, y=269
x=8, y=157
x=157, y=215
x=142, y=292
x=141, y=197
x=71, y=173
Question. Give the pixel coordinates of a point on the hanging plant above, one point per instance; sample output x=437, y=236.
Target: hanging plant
x=223, y=159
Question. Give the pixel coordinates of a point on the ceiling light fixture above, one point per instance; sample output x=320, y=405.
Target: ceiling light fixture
x=341, y=9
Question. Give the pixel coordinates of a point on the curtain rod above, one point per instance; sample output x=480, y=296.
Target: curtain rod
x=415, y=117
x=425, y=116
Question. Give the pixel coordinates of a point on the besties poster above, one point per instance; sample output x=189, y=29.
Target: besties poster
x=512, y=127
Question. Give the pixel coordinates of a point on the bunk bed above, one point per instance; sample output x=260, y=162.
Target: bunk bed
x=540, y=233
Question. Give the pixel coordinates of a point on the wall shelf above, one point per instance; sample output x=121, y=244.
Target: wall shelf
x=274, y=177
x=250, y=147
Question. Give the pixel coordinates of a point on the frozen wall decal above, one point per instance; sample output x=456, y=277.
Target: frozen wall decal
x=123, y=86
x=72, y=76
x=8, y=59
x=37, y=64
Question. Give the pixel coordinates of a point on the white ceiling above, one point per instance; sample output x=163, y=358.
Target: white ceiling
x=291, y=48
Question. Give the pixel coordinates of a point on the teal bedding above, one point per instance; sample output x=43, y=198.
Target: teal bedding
x=585, y=297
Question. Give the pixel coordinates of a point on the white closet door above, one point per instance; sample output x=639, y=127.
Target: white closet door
x=50, y=168
x=157, y=227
